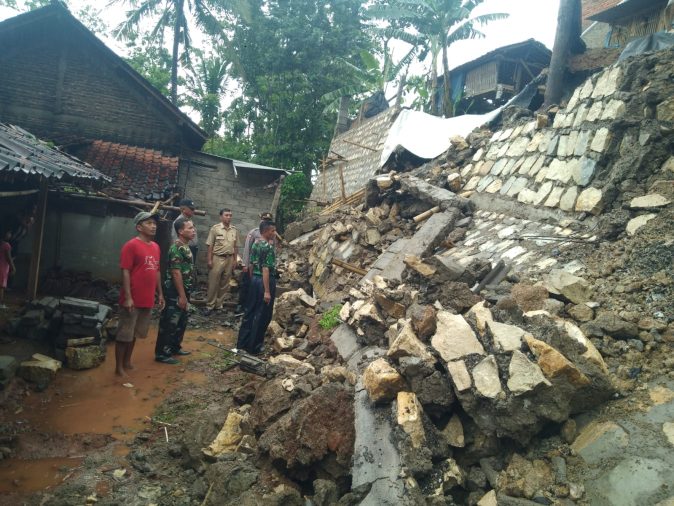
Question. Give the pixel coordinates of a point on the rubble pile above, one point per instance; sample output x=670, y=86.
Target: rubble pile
x=61, y=283
x=76, y=328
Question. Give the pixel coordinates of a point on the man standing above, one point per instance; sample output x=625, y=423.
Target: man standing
x=261, y=293
x=187, y=208
x=178, y=285
x=252, y=237
x=139, y=261
x=221, y=244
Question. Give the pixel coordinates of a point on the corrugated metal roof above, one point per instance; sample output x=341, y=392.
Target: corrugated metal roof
x=248, y=165
x=22, y=152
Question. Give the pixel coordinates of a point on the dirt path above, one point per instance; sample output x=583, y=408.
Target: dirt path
x=89, y=412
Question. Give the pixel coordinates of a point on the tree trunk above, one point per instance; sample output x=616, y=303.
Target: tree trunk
x=564, y=39
x=434, y=85
x=176, y=46
x=401, y=89
x=446, y=89
x=342, y=124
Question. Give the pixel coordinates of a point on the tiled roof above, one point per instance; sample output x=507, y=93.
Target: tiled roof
x=136, y=172
x=22, y=152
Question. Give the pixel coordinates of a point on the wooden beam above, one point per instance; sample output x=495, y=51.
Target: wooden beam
x=360, y=145
x=131, y=203
x=38, y=237
x=341, y=181
x=426, y=214
x=349, y=267
x=277, y=197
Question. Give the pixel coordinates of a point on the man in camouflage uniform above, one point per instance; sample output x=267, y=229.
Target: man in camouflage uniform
x=178, y=285
x=261, y=292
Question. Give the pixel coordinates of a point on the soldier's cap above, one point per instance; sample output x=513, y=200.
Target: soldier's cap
x=144, y=215
x=187, y=203
x=266, y=216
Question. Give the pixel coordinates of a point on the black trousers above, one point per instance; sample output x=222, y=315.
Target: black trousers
x=172, y=324
x=257, y=316
x=243, y=288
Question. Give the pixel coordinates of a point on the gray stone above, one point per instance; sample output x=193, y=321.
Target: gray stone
x=665, y=110
x=524, y=375
x=460, y=376
x=554, y=197
x=407, y=344
x=595, y=112
x=601, y=140
x=446, y=268
x=8, y=367
x=636, y=223
x=486, y=378
x=590, y=200
x=574, y=288
x=568, y=200
x=453, y=432
x=506, y=337
x=649, y=201
x=582, y=143
x=453, y=338
x=614, y=109
x=599, y=441
x=85, y=357
x=584, y=171
x=41, y=370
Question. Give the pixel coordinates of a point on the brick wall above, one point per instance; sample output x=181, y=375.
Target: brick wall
x=60, y=86
x=211, y=183
x=591, y=7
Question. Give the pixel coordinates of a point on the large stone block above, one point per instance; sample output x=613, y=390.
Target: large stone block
x=454, y=338
x=568, y=200
x=602, y=138
x=583, y=171
x=382, y=381
x=524, y=376
x=486, y=378
x=613, y=110
x=85, y=357
x=590, y=200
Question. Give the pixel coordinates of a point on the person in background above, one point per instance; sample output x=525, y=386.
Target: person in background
x=187, y=208
x=221, y=244
x=177, y=288
x=7, y=267
x=252, y=237
x=261, y=292
x=141, y=280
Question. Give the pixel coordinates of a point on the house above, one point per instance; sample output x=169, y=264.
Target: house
x=594, y=33
x=628, y=20
x=483, y=84
x=64, y=85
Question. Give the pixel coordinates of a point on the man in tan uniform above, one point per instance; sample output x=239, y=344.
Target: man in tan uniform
x=221, y=244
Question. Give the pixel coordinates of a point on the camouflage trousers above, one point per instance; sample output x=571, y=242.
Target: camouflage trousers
x=172, y=325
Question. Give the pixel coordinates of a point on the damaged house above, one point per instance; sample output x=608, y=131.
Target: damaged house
x=62, y=84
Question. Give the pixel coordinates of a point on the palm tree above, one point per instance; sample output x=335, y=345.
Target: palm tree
x=205, y=83
x=175, y=14
x=438, y=24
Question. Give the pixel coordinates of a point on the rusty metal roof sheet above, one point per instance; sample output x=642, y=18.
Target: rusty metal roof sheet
x=23, y=153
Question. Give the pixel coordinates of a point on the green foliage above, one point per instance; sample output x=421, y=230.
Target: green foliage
x=153, y=62
x=285, y=62
x=296, y=187
x=331, y=319
x=206, y=83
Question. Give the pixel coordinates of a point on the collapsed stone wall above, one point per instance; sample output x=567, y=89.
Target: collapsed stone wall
x=614, y=132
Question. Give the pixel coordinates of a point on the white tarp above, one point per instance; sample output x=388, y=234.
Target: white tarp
x=428, y=136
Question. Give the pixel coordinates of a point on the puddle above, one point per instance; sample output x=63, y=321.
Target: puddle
x=33, y=475
x=95, y=401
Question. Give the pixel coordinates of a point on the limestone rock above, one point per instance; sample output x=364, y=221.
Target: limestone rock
x=289, y=362
x=529, y=297
x=523, y=478
x=228, y=438
x=486, y=378
x=524, y=376
x=591, y=353
x=274, y=329
x=460, y=375
x=290, y=304
x=590, y=200
x=85, y=357
x=382, y=381
x=452, y=475
x=615, y=326
x=390, y=307
x=506, y=337
x=453, y=432
x=482, y=316
x=41, y=370
x=554, y=365
x=283, y=344
x=415, y=263
x=573, y=288
x=409, y=416
x=489, y=499
x=271, y=401
x=636, y=223
x=649, y=201
x=453, y=338
x=423, y=321
x=581, y=313
x=407, y=344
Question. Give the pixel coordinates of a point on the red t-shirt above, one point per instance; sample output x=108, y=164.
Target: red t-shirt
x=141, y=259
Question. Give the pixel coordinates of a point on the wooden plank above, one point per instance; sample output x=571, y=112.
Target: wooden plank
x=426, y=214
x=38, y=238
x=349, y=267
x=341, y=181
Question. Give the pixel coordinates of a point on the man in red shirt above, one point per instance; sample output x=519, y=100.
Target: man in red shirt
x=139, y=261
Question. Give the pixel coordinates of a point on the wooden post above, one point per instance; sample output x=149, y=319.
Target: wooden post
x=34, y=273
x=277, y=197
x=325, y=191
x=341, y=181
